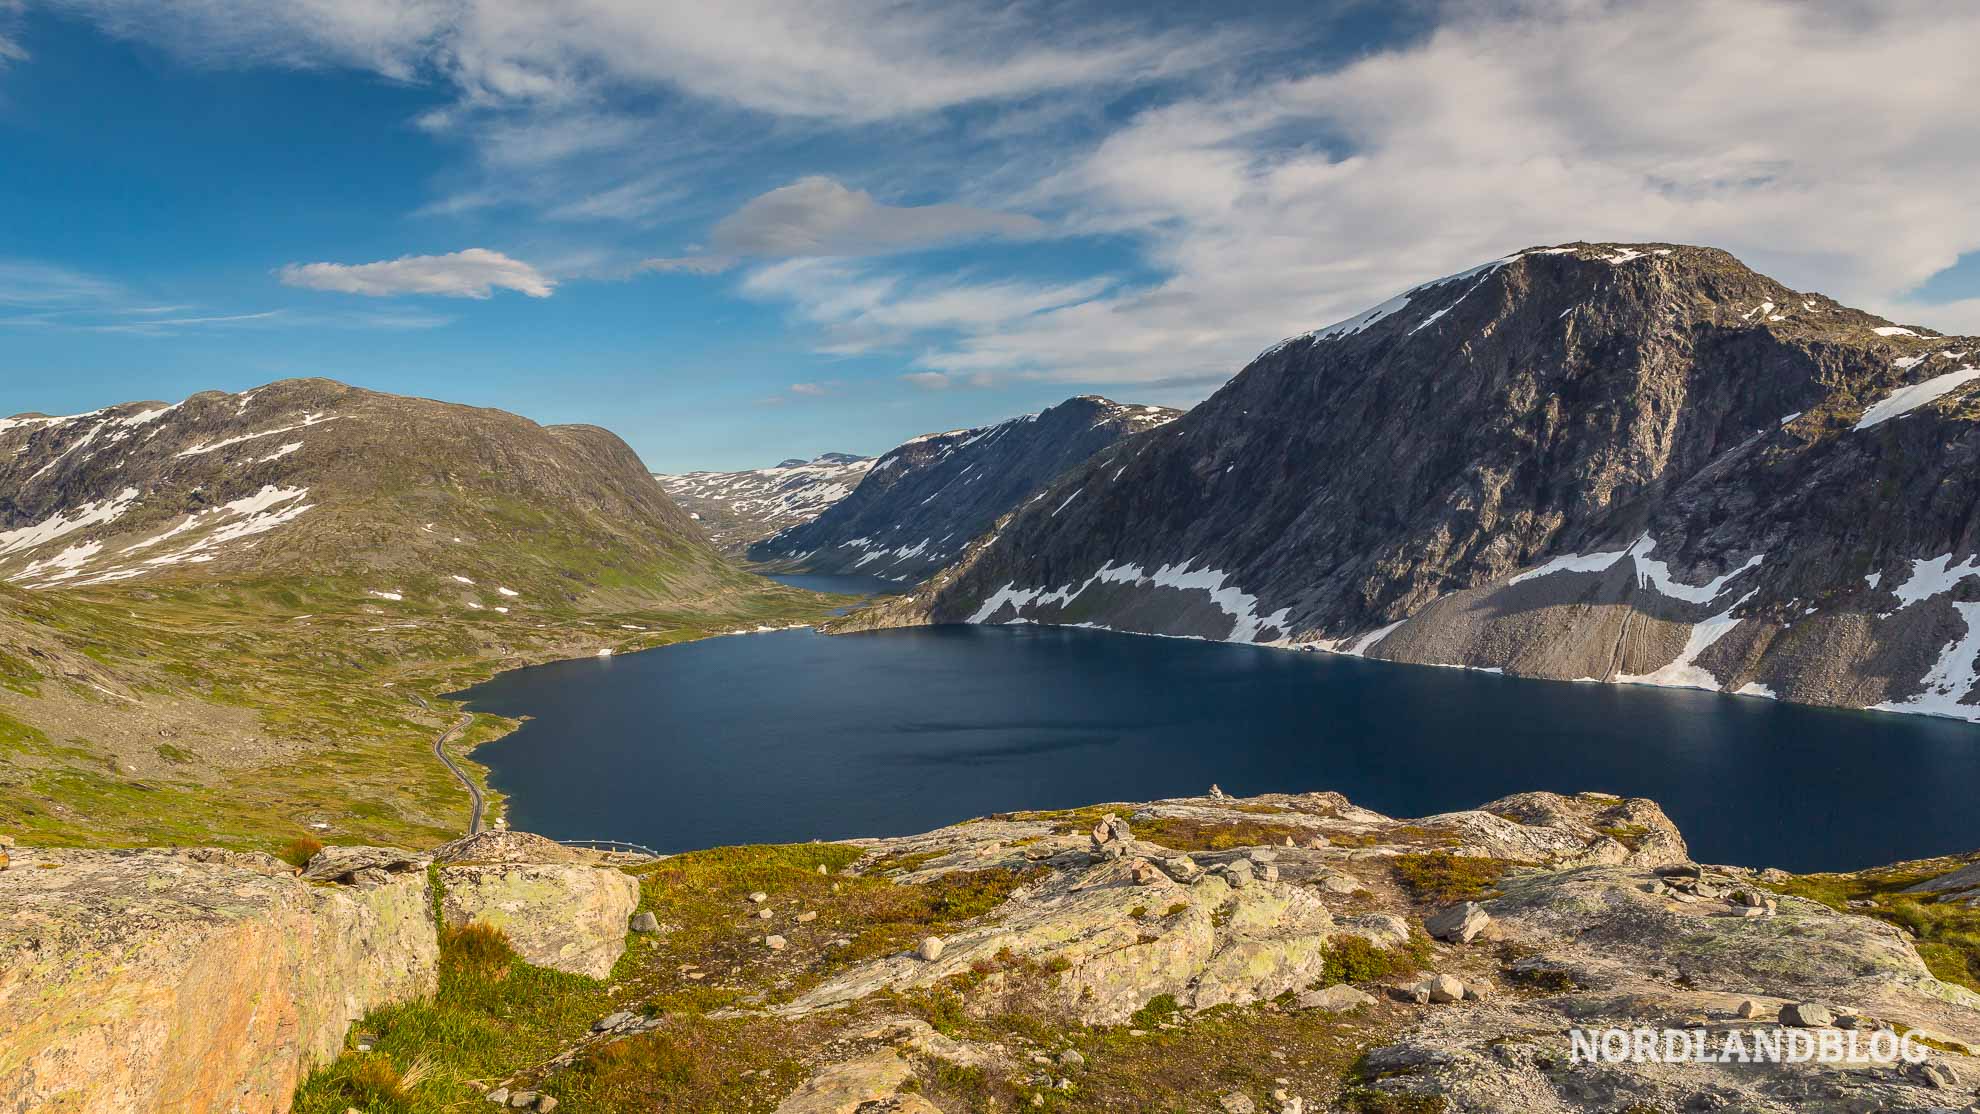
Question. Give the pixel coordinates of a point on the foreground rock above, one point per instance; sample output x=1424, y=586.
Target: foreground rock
x=557, y=908
x=191, y=980
x=1589, y=915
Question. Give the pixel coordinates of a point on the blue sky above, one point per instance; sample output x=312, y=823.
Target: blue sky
x=742, y=232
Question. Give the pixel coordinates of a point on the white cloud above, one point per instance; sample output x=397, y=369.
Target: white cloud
x=818, y=216
x=473, y=273
x=688, y=265
x=849, y=60
x=1832, y=145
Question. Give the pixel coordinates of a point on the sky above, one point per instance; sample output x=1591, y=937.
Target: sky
x=734, y=233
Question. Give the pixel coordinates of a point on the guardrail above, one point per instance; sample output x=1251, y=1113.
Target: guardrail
x=619, y=845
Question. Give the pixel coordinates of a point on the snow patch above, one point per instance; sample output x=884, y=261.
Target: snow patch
x=1239, y=605
x=1931, y=576
x=67, y=522
x=1906, y=399
x=1950, y=679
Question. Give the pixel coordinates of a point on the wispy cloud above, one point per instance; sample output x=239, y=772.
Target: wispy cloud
x=473, y=273
x=818, y=216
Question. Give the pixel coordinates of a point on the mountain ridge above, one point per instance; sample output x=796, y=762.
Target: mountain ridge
x=1400, y=484
x=738, y=509
x=924, y=499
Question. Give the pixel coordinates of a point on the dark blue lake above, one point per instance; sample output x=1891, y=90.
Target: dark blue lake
x=796, y=735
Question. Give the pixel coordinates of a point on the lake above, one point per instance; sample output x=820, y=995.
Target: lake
x=795, y=735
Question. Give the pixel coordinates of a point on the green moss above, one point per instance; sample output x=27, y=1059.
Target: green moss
x=1441, y=877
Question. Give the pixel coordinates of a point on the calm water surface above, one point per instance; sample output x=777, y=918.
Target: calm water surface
x=795, y=735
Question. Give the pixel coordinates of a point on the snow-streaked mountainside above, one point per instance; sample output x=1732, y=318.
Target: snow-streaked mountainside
x=921, y=503
x=316, y=479
x=738, y=508
x=1634, y=463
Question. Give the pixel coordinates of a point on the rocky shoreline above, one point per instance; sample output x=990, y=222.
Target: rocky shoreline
x=1281, y=953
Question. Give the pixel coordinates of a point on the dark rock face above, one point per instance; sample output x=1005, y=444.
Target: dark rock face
x=1626, y=463
x=309, y=477
x=923, y=502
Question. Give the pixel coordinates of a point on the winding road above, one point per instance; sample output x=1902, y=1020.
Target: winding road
x=440, y=751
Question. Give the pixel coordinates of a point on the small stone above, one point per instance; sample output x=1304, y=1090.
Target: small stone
x=822, y=870
x=1237, y=1102
x=1459, y=923
x=1071, y=1058
x=645, y=922
x=1137, y=1032
x=1807, y=1015
x=611, y=1021
x=763, y=914
x=1339, y=884
x=1145, y=873
x=1745, y=911
x=774, y=943
x=1182, y=868
x=499, y=1096
x=930, y=949
x=545, y=1104
x=1216, y=793
x=1928, y=1074
x=807, y=917
x=1442, y=989
x=1238, y=873
x=1477, y=992
x=1294, y=1105
x=522, y=1100
x=759, y=897
x=1750, y=1009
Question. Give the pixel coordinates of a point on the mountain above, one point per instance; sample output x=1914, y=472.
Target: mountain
x=739, y=508
x=923, y=501
x=1635, y=463
x=314, y=478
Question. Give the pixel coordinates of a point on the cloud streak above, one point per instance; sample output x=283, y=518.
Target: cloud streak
x=473, y=273
x=819, y=216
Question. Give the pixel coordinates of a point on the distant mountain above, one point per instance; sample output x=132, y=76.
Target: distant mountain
x=923, y=501
x=311, y=478
x=738, y=508
x=1635, y=463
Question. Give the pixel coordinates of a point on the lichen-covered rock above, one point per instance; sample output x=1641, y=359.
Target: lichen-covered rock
x=191, y=981
x=565, y=916
x=504, y=846
x=355, y=864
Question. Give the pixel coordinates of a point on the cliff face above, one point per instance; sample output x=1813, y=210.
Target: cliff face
x=1627, y=463
x=922, y=502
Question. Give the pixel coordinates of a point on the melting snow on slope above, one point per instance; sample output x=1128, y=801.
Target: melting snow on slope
x=1239, y=605
x=1682, y=672
x=67, y=522
x=1893, y=331
x=214, y=446
x=1906, y=399
x=1931, y=576
x=1653, y=575
x=1950, y=679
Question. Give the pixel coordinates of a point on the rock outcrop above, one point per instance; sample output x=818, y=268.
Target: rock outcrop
x=1630, y=463
x=557, y=908
x=1576, y=912
x=191, y=980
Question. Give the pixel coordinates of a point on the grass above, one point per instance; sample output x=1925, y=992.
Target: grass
x=1442, y=878
x=298, y=851
x=303, y=682
x=1947, y=935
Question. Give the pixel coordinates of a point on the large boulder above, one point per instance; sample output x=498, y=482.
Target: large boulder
x=191, y=981
x=563, y=915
